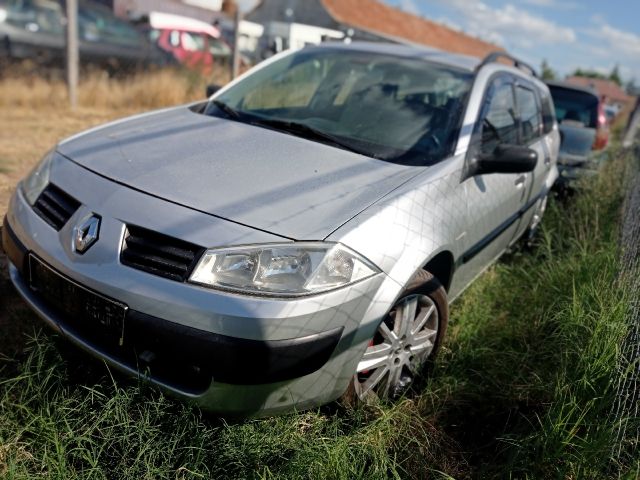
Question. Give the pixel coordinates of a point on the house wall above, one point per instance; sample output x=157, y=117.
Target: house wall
x=308, y=12
x=124, y=8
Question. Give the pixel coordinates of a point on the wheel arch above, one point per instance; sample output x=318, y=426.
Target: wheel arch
x=441, y=266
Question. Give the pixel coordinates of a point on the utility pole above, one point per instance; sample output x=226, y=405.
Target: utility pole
x=235, y=68
x=73, y=56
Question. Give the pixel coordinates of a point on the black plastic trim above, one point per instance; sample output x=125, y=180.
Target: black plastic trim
x=159, y=254
x=227, y=359
x=493, y=57
x=55, y=206
x=13, y=247
x=486, y=241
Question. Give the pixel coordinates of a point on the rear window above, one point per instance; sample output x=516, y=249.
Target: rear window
x=575, y=107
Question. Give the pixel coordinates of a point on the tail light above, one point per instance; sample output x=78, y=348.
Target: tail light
x=602, y=130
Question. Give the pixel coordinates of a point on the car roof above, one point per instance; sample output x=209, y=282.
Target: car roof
x=571, y=86
x=169, y=21
x=463, y=62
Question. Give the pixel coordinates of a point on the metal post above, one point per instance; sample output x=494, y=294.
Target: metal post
x=235, y=68
x=73, y=56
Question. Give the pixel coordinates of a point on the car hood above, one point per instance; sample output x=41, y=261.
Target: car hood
x=261, y=178
x=577, y=141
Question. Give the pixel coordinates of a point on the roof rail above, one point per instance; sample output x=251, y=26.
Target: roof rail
x=494, y=56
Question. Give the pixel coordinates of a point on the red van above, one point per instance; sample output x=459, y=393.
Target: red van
x=193, y=43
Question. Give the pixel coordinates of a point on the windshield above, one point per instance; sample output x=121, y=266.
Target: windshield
x=575, y=107
x=397, y=109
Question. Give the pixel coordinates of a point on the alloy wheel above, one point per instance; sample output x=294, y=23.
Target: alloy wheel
x=397, y=354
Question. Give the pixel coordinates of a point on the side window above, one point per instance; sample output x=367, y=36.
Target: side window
x=499, y=125
x=174, y=38
x=530, y=119
x=192, y=42
x=548, y=113
x=98, y=25
x=37, y=16
x=218, y=48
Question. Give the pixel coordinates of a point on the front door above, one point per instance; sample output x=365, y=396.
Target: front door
x=494, y=201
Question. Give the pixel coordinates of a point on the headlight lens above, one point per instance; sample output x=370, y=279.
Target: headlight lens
x=38, y=179
x=292, y=269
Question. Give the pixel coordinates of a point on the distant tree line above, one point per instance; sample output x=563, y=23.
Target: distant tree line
x=630, y=86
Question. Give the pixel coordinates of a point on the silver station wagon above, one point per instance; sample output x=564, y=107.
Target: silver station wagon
x=297, y=238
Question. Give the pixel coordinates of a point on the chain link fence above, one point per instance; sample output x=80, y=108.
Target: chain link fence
x=627, y=409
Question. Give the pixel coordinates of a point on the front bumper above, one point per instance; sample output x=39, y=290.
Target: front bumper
x=185, y=357
x=228, y=353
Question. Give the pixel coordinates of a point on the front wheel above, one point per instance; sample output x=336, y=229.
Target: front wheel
x=405, y=342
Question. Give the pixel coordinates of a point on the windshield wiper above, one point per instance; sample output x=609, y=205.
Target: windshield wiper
x=229, y=111
x=305, y=131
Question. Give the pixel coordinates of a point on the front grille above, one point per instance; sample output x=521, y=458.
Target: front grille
x=55, y=206
x=159, y=254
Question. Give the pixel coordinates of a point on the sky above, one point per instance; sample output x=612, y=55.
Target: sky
x=569, y=34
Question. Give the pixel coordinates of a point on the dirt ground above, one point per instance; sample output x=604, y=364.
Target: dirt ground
x=26, y=134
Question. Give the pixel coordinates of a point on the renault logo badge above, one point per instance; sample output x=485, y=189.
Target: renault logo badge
x=86, y=234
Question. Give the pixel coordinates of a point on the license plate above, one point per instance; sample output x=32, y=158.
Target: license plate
x=76, y=304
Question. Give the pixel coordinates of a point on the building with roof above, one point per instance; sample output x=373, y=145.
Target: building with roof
x=206, y=10
x=614, y=93
x=370, y=20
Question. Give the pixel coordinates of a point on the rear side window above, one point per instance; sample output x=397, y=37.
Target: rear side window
x=530, y=118
x=499, y=123
x=575, y=107
x=548, y=113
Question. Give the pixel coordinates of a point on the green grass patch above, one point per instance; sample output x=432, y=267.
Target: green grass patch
x=524, y=388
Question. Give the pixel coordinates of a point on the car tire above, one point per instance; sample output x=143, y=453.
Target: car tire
x=405, y=343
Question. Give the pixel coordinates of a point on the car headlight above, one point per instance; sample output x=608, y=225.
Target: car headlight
x=291, y=269
x=38, y=179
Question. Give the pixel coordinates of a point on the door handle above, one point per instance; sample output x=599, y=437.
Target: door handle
x=547, y=160
x=520, y=181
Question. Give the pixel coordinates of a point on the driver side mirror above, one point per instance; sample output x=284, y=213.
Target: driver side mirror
x=211, y=89
x=507, y=159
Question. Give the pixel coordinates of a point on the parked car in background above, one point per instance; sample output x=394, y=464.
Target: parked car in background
x=35, y=30
x=584, y=129
x=193, y=43
x=611, y=112
x=297, y=238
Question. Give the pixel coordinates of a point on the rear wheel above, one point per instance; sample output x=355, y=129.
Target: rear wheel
x=531, y=233
x=405, y=342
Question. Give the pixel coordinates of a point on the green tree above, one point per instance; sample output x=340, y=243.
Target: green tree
x=546, y=71
x=614, y=76
x=588, y=74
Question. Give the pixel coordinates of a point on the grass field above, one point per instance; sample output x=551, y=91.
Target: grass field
x=524, y=386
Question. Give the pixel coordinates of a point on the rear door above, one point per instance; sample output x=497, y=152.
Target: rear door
x=531, y=135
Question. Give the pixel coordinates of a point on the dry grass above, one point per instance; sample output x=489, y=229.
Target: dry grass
x=478, y=417
x=98, y=90
x=35, y=115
